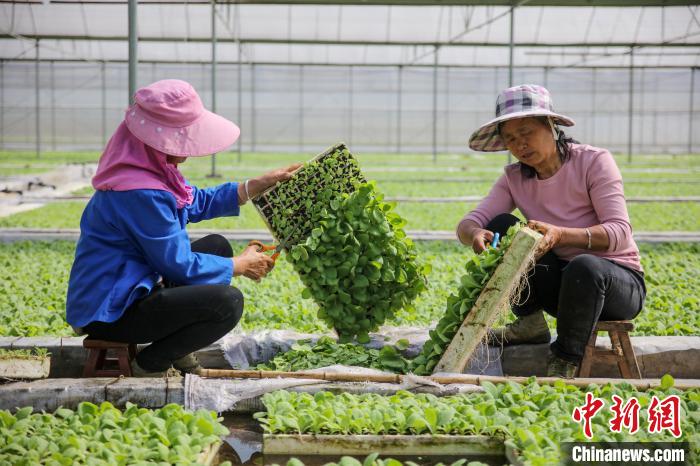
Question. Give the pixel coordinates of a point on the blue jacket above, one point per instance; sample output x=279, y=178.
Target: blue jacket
x=130, y=239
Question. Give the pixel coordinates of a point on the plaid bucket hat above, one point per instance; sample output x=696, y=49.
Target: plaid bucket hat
x=526, y=100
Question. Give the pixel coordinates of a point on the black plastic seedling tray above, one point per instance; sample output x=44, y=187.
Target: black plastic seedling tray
x=294, y=222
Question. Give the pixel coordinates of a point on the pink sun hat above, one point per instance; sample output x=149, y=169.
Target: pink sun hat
x=169, y=116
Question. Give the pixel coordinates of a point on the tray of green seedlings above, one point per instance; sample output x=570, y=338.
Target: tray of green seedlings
x=288, y=208
x=347, y=245
x=374, y=460
x=358, y=264
x=527, y=422
x=478, y=271
x=32, y=363
x=103, y=434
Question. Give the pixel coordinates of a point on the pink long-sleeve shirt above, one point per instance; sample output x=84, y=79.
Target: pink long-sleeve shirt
x=587, y=190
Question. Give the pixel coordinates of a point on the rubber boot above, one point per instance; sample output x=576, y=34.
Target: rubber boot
x=188, y=364
x=138, y=371
x=531, y=328
x=557, y=367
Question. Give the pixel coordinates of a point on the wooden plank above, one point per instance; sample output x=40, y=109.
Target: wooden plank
x=608, y=325
x=360, y=445
x=630, y=357
x=493, y=298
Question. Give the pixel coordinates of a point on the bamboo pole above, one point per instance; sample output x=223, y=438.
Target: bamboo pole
x=640, y=384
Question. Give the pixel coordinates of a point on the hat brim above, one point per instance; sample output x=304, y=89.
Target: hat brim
x=487, y=139
x=208, y=134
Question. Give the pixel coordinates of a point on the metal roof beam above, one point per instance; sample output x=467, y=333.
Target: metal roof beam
x=254, y=40
x=361, y=65
x=583, y=3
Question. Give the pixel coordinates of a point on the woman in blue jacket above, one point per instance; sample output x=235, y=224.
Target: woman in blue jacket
x=136, y=277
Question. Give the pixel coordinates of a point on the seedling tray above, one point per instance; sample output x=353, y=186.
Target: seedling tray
x=493, y=298
x=360, y=445
x=284, y=207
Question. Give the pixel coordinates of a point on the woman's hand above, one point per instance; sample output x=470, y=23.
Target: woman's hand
x=252, y=264
x=281, y=174
x=261, y=183
x=481, y=239
x=470, y=233
x=552, y=236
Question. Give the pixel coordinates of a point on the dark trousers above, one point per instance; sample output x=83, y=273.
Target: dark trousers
x=578, y=293
x=177, y=319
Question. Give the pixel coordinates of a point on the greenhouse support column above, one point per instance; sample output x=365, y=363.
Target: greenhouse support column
x=240, y=99
x=252, y=106
x=213, y=78
x=52, y=98
x=594, y=90
x=103, y=69
x=399, y=98
x=435, y=78
x=511, y=48
x=350, y=99
x=301, y=108
x=2, y=104
x=691, y=110
x=133, y=43
x=630, y=112
x=37, y=101
x=446, y=111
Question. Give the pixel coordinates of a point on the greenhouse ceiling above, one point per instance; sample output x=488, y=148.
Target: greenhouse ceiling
x=372, y=33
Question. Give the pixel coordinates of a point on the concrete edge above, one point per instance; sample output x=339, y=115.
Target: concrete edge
x=656, y=355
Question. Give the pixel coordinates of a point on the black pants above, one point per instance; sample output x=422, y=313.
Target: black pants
x=578, y=293
x=177, y=319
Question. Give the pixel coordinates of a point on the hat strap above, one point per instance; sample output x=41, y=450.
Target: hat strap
x=555, y=133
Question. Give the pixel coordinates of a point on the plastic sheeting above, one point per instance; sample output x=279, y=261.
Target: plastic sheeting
x=243, y=351
x=227, y=394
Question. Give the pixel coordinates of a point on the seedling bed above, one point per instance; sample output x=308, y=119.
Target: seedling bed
x=426, y=449
x=285, y=206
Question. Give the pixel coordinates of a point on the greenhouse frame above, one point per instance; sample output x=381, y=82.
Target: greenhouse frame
x=383, y=76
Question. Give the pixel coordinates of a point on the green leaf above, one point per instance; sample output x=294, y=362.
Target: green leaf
x=24, y=413
x=667, y=382
x=402, y=344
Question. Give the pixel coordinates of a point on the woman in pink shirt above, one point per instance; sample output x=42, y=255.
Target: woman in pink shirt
x=588, y=267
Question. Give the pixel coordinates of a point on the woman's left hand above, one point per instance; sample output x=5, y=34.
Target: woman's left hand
x=552, y=236
x=261, y=183
x=275, y=176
